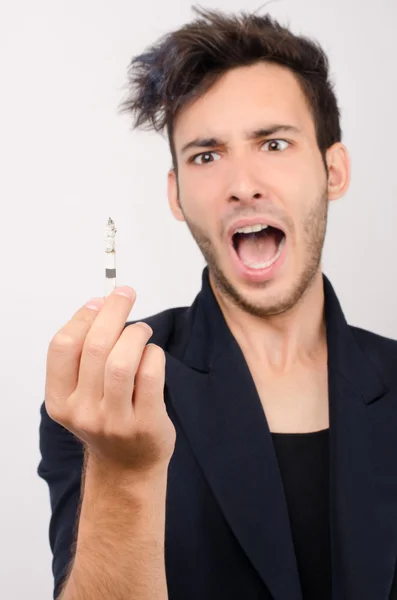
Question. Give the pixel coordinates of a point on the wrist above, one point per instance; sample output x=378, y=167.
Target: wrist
x=106, y=476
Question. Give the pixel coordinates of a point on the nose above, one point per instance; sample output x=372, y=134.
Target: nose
x=246, y=196
x=244, y=185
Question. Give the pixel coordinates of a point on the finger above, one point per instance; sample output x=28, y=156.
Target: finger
x=149, y=384
x=100, y=340
x=120, y=371
x=64, y=351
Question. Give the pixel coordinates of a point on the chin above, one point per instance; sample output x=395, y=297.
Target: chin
x=269, y=296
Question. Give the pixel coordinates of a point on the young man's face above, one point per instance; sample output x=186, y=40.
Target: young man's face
x=278, y=178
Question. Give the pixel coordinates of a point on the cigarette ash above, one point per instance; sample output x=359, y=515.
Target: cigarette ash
x=110, y=236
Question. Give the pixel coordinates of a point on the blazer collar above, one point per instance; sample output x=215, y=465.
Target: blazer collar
x=210, y=335
x=212, y=391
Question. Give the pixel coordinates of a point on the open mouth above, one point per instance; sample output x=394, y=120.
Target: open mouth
x=259, y=246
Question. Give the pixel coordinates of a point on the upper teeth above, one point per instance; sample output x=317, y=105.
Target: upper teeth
x=252, y=228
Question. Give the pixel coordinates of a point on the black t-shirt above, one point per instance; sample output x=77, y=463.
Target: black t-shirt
x=304, y=466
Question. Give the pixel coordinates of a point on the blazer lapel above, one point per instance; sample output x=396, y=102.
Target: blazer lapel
x=363, y=478
x=213, y=393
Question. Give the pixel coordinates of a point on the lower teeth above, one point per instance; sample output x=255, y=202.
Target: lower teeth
x=268, y=263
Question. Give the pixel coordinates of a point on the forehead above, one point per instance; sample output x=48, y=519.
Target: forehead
x=243, y=99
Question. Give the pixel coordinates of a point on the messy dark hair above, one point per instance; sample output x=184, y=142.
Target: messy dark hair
x=185, y=63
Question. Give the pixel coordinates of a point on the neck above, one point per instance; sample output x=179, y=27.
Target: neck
x=285, y=342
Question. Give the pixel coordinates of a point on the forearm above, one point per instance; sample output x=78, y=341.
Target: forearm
x=120, y=542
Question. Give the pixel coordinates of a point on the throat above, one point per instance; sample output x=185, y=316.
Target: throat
x=258, y=249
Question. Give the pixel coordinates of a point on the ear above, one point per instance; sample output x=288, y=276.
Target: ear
x=339, y=167
x=173, y=196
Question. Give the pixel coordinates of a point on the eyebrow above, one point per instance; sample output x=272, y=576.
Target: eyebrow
x=212, y=142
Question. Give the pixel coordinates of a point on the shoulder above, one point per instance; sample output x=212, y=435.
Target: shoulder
x=372, y=340
x=381, y=351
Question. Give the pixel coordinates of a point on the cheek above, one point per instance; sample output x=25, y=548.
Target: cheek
x=199, y=191
x=204, y=181
x=196, y=206
x=301, y=187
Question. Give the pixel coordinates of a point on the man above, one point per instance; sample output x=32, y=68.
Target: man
x=250, y=452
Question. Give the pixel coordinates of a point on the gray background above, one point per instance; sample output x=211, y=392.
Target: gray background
x=68, y=161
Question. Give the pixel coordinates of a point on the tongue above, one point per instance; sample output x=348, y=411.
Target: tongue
x=256, y=248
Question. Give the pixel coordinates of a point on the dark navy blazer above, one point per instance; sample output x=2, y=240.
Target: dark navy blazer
x=227, y=528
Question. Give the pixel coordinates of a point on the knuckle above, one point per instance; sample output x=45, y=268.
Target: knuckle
x=152, y=365
x=147, y=383
x=148, y=371
x=97, y=347
x=62, y=341
x=118, y=370
x=53, y=411
x=149, y=376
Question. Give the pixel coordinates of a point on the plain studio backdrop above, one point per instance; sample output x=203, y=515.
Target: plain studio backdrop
x=69, y=161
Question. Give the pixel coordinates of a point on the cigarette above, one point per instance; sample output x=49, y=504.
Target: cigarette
x=110, y=257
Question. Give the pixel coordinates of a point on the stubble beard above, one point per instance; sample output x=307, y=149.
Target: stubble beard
x=314, y=230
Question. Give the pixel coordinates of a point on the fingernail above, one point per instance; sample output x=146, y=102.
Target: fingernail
x=146, y=326
x=95, y=303
x=125, y=291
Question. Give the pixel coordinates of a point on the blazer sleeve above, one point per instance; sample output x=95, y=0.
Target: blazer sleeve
x=61, y=466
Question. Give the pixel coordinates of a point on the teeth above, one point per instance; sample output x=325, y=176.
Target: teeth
x=252, y=228
x=268, y=263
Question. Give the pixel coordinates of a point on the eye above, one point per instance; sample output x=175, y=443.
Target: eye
x=273, y=142
x=202, y=155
